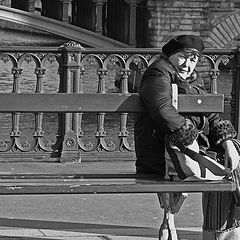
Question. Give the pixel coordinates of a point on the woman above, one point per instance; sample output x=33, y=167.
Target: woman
x=158, y=128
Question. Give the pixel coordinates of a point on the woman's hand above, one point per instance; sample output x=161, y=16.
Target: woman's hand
x=231, y=154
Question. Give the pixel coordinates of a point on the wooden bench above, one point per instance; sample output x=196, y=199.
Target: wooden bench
x=13, y=182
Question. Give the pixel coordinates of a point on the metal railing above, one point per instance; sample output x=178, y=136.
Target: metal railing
x=72, y=69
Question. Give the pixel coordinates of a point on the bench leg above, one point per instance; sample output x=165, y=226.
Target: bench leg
x=171, y=203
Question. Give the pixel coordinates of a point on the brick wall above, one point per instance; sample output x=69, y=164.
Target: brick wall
x=216, y=21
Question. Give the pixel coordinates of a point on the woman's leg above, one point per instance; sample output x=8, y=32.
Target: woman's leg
x=171, y=203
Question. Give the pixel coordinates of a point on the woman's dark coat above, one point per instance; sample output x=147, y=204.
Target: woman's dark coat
x=163, y=119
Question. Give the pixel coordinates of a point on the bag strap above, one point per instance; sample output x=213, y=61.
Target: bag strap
x=216, y=169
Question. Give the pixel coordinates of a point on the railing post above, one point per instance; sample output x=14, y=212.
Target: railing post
x=66, y=10
x=39, y=116
x=214, y=73
x=132, y=21
x=38, y=7
x=6, y=3
x=235, y=103
x=99, y=13
x=31, y=6
x=125, y=73
x=71, y=73
x=15, y=133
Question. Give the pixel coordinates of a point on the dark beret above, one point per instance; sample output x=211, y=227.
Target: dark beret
x=183, y=42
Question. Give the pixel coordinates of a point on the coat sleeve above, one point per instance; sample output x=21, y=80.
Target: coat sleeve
x=156, y=93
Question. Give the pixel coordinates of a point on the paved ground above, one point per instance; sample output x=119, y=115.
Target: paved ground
x=133, y=217
x=92, y=217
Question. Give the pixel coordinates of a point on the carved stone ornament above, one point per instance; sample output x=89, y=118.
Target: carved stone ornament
x=72, y=44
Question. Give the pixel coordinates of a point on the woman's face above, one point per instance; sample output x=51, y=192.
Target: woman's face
x=184, y=62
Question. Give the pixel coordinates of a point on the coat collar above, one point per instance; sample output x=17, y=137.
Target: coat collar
x=163, y=59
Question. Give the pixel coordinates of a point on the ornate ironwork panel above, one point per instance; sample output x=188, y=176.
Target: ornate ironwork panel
x=72, y=69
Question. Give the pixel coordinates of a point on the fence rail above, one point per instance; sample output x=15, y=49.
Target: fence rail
x=72, y=69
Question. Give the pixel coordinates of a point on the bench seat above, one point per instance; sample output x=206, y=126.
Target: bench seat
x=92, y=177
x=101, y=183
x=105, y=176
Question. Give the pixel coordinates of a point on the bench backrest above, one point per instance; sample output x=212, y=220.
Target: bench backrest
x=71, y=142
x=75, y=73
x=98, y=103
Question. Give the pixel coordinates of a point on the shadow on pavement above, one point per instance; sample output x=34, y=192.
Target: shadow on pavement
x=87, y=228
x=102, y=229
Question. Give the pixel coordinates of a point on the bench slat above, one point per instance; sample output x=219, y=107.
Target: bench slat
x=98, y=183
x=109, y=102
